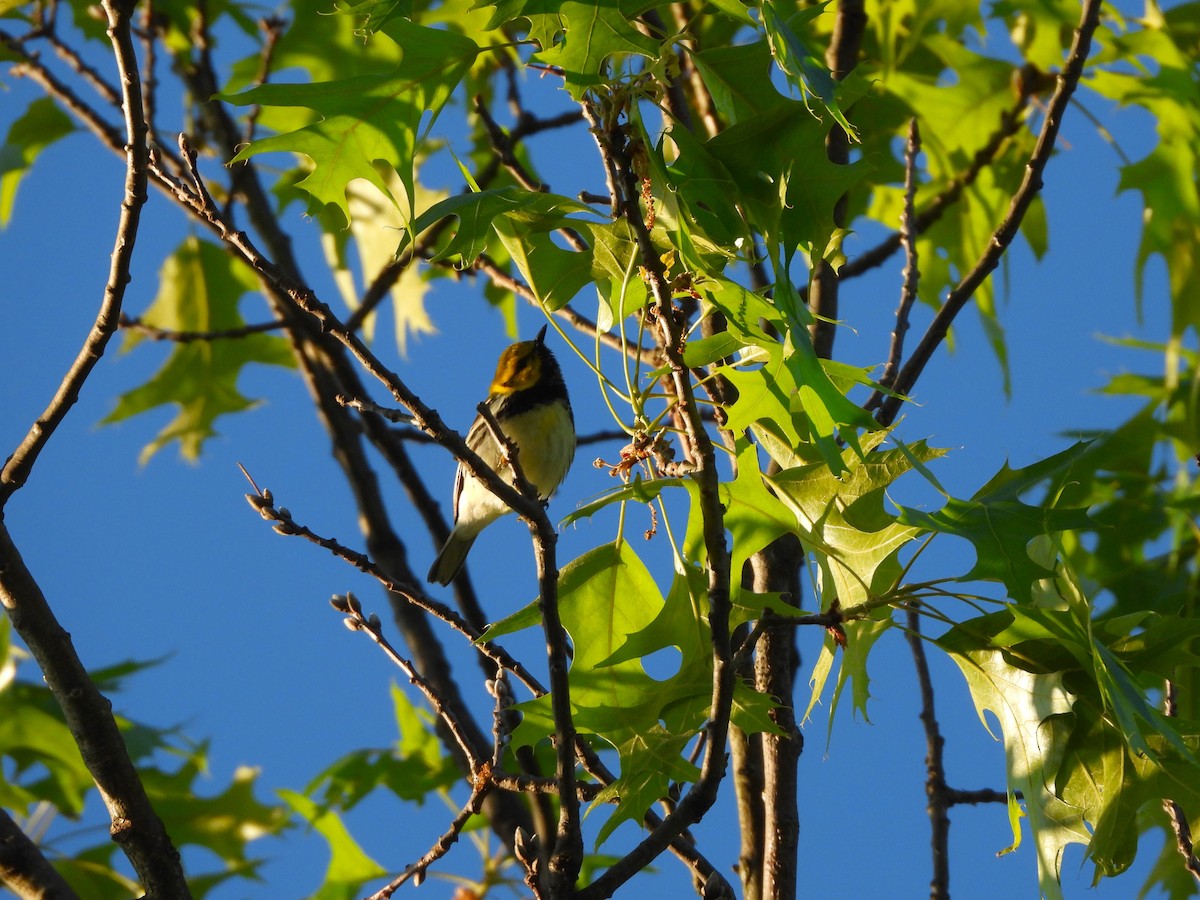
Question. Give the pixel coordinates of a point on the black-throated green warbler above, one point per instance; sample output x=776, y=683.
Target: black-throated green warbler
x=529, y=401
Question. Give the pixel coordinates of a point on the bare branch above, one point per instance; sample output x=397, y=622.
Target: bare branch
x=355, y=620
x=502, y=145
x=911, y=274
x=33, y=69
x=1031, y=184
x=956, y=797
x=94, y=79
x=935, y=769
x=841, y=58
x=20, y=463
x=24, y=870
x=416, y=872
x=154, y=333
x=149, y=37
x=135, y=825
x=701, y=455
x=285, y=524
x=272, y=29
x=1010, y=122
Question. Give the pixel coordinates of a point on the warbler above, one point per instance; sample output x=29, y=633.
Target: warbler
x=528, y=399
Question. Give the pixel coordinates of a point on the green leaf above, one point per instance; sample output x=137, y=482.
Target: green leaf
x=41, y=125
x=508, y=212
x=553, y=274
x=605, y=596
x=1165, y=177
x=199, y=289
x=843, y=519
x=754, y=516
x=784, y=384
x=861, y=636
x=412, y=770
x=1001, y=526
x=651, y=760
x=579, y=37
x=738, y=79
x=36, y=741
x=374, y=223
x=1116, y=752
x=367, y=119
x=223, y=823
x=804, y=70
x=349, y=866
x=1034, y=712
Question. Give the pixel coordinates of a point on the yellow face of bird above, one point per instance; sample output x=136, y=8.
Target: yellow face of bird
x=519, y=368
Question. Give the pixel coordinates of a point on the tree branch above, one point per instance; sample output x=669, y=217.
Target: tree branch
x=1031, y=184
x=24, y=870
x=355, y=620
x=136, y=828
x=935, y=769
x=416, y=872
x=701, y=456
x=19, y=465
x=154, y=333
x=841, y=58
x=1010, y=122
x=777, y=660
x=911, y=274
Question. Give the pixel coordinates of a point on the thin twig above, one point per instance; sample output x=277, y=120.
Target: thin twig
x=955, y=797
x=935, y=769
x=32, y=68
x=1010, y=123
x=416, y=872
x=272, y=28
x=502, y=146
x=1031, y=184
x=912, y=273
x=29, y=66
x=94, y=79
x=700, y=452
x=569, y=314
x=154, y=333
x=16, y=470
x=149, y=38
x=135, y=827
x=355, y=620
x=285, y=524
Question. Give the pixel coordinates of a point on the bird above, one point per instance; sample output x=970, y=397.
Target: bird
x=528, y=399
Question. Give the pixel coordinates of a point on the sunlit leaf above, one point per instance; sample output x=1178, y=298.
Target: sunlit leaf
x=349, y=866
x=42, y=124
x=199, y=289
x=366, y=119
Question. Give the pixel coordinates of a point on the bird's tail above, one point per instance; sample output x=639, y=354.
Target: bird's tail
x=451, y=558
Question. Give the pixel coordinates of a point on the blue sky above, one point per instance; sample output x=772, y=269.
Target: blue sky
x=167, y=560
